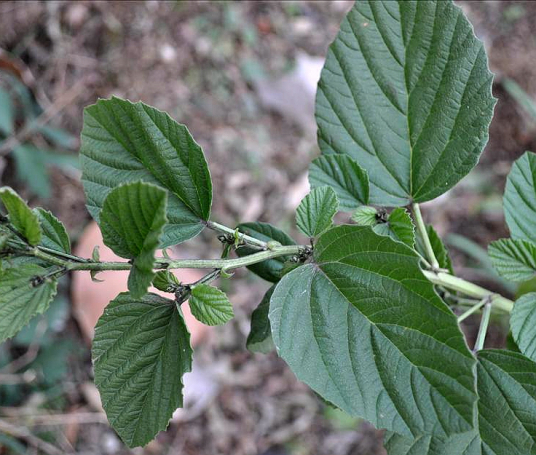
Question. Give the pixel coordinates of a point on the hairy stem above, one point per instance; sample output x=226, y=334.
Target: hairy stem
x=421, y=229
x=483, y=329
x=246, y=238
x=467, y=288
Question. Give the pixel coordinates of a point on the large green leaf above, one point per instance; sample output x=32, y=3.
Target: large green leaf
x=520, y=198
x=315, y=213
x=125, y=142
x=209, y=305
x=345, y=176
x=21, y=216
x=54, y=234
x=140, y=351
x=406, y=92
x=132, y=220
x=272, y=269
x=506, y=421
x=365, y=329
x=260, y=335
x=523, y=324
x=514, y=260
x=22, y=296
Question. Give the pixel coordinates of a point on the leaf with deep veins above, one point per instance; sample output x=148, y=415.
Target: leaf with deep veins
x=406, y=92
x=365, y=329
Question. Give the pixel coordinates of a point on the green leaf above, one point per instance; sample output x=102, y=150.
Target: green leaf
x=31, y=170
x=438, y=247
x=406, y=92
x=54, y=234
x=125, y=142
x=316, y=211
x=7, y=123
x=21, y=216
x=132, y=220
x=360, y=327
x=505, y=420
x=260, y=335
x=523, y=324
x=21, y=297
x=514, y=260
x=272, y=269
x=344, y=176
x=399, y=226
x=209, y=305
x=58, y=137
x=520, y=198
x=140, y=351
x=366, y=216
x=166, y=281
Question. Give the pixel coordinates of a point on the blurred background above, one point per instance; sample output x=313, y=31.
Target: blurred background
x=242, y=76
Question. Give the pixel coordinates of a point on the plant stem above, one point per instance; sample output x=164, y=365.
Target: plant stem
x=62, y=254
x=421, y=228
x=482, y=331
x=472, y=290
x=246, y=238
x=472, y=310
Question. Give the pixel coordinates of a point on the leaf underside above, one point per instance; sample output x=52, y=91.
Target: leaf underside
x=315, y=213
x=360, y=327
x=523, y=324
x=514, y=260
x=140, y=352
x=209, y=305
x=260, y=335
x=406, y=92
x=126, y=142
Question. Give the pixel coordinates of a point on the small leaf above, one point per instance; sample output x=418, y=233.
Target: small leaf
x=514, y=260
x=166, y=281
x=140, y=352
x=209, y=305
x=505, y=420
x=344, y=176
x=406, y=92
x=399, y=226
x=54, y=236
x=366, y=216
x=523, y=324
x=21, y=298
x=438, y=247
x=315, y=213
x=95, y=256
x=271, y=269
x=360, y=326
x=132, y=220
x=124, y=142
x=520, y=198
x=260, y=335
x=7, y=123
x=21, y=216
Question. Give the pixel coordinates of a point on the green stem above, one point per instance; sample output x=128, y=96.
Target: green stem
x=421, y=229
x=61, y=254
x=482, y=331
x=246, y=238
x=472, y=310
x=472, y=290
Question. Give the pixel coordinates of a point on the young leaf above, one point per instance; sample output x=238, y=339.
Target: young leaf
x=140, y=352
x=125, y=142
x=6, y=113
x=505, y=420
x=315, y=213
x=166, y=281
x=520, y=198
x=399, y=226
x=514, y=260
x=54, y=234
x=345, y=176
x=523, y=324
x=260, y=335
x=209, y=305
x=272, y=269
x=21, y=297
x=132, y=219
x=360, y=327
x=439, y=249
x=21, y=216
x=406, y=92
x=366, y=216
